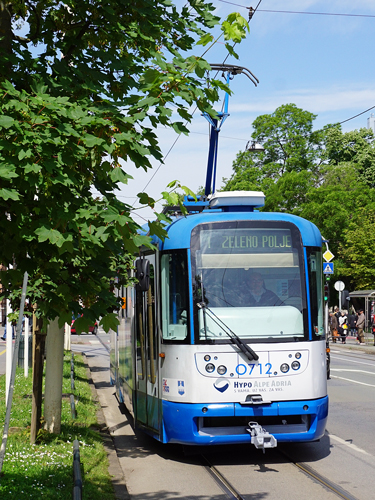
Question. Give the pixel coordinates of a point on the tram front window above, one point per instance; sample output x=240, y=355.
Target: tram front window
x=250, y=275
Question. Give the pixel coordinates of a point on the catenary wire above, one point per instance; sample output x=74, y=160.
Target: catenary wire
x=175, y=141
x=301, y=12
x=252, y=11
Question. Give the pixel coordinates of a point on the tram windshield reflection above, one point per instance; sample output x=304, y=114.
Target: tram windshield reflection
x=251, y=279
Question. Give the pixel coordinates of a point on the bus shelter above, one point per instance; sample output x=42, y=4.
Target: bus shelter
x=364, y=299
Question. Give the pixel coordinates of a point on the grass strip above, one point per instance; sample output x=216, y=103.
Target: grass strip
x=45, y=469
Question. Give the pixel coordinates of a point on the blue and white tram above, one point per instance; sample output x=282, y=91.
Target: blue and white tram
x=226, y=342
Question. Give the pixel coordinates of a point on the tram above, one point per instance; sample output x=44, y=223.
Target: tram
x=222, y=339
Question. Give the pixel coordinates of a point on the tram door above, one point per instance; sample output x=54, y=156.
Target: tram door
x=147, y=388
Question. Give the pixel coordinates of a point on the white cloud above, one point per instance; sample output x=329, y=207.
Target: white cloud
x=314, y=100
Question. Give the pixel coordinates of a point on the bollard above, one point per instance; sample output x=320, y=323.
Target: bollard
x=72, y=406
x=77, y=477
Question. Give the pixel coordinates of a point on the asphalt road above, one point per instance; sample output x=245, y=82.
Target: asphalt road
x=345, y=456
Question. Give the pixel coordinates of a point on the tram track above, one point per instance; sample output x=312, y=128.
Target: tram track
x=233, y=494
x=229, y=490
x=316, y=476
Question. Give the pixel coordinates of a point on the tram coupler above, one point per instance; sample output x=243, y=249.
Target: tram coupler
x=260, y=438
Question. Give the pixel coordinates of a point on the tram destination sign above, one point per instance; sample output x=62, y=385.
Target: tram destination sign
x=242, y=240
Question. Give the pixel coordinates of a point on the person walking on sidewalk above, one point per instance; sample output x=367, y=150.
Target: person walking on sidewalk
x=334, y=325
x=360, y=327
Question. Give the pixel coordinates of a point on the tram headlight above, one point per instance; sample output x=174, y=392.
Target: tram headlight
x=207, y=357
x=296, y=365
x=221, y=370
x=210, y=367
x=284, y=368
x=298, y=355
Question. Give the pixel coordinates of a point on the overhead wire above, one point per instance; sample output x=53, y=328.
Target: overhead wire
x=301, y=12
x=251, y=13
x=355, y=116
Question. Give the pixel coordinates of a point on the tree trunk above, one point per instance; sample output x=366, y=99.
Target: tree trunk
x=54, y=377
x=38, y=361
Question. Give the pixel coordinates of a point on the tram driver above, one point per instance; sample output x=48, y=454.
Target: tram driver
x=254, y=293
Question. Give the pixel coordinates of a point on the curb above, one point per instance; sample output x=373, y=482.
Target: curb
x=114, y=469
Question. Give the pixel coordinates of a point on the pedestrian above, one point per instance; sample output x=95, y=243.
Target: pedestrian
x=334, y=325
x=352, y=321
x=360, y=327
x=342, y=331
x=4, y=337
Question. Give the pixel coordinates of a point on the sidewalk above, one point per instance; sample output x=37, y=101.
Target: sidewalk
x=352, y=344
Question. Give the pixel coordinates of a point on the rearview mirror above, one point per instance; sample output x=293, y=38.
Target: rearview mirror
x=142, y=273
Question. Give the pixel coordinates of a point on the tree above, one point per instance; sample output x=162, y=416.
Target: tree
x=333, y=205
x=326, y=176
x=357, y=249
x=100, y=84
x=83, y=89
x=292, y=153
x=356, y=147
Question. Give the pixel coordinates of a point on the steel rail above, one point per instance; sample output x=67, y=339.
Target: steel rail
x=313, y=474
x=229, y=490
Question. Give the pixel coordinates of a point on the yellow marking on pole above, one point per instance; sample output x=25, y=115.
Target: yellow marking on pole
x=2, y=352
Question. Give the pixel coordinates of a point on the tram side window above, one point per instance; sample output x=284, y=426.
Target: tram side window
x=175, y=299
x=315, y=266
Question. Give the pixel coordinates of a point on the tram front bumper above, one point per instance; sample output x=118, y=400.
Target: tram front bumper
x=227, y=423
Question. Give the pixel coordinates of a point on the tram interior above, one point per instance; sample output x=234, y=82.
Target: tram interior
x=227, y=291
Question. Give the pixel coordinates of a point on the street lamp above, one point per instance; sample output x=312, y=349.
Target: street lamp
x=254, y=147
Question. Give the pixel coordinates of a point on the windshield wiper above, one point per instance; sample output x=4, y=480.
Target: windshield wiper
x=248, y=351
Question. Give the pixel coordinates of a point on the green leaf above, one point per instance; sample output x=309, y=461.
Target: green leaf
x=118, y=175
x=109, y=322
x=7, y=172
x=25, y=154
x=188, y=192
x=140, y=240
x=157, y=229
x=144, y=199
x=205, y=39
x=170, y=198
x=6, y=121
x=52, y=235
x=82, y=324
x=32, y=168
x=180, y=128
x=9, y=88
x=38, y=87
x=151, y=75
x=64, y=317
x=91, y=140
x=9, y=194
x=231, y=51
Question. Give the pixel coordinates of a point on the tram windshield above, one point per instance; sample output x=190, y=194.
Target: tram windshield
x=250, y=274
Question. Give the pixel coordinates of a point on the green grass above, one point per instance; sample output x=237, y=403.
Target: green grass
x=45, y=470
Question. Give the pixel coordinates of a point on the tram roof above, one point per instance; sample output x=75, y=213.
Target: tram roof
x=179, y=231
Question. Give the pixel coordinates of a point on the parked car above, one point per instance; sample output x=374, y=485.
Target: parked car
x=92, y=329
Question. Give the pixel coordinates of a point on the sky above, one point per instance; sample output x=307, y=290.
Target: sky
x=322, y=63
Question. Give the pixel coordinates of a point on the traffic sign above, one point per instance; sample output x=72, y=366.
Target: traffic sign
x=328, y=256
x=339, y=286
x=328, y=268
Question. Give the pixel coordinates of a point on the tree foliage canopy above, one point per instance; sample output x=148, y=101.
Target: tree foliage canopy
x=326, y=176
x=82, y=89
